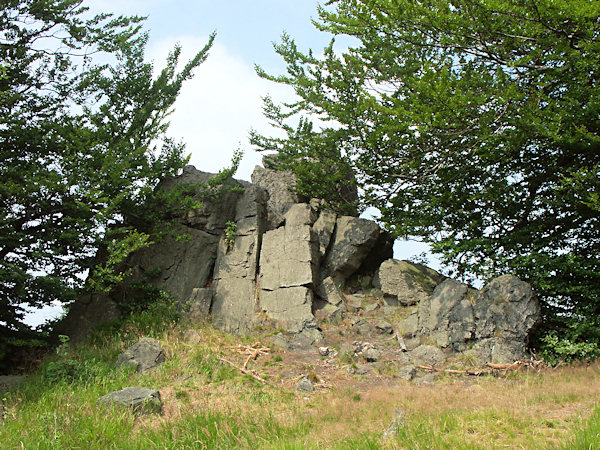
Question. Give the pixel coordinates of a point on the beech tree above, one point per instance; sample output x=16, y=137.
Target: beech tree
x=82, y=147
x=471, y=124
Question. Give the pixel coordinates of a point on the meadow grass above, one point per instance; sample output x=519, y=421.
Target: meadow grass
x=209, y=404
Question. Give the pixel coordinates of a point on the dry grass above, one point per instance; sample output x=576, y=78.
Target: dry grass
x=524, y=410
x=211, y=404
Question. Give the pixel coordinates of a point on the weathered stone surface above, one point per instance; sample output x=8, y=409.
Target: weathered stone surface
x=427, y=354
x=280, y=185
x=447, y=316
x=354, y=302
x=304, y=385
x=326, y=312
x=371, y=354
x=291, y=307
x=144, y=355
x=251, y=211
x=328, y=291
x=409, y=326
x=11, y=382
x=495, y=322
x=87, y=313
x=197, y=307
x=235, y=276
x=407, y=282
x=303, y=341
x=353, y=240
x=407, y=372
x=300, y=214
x=324, y=227
x=288, y=258
x=180, y=264
x=140, y=399
x=506, y=312
x=288, y=271
x=234, y=300
x=384, y=327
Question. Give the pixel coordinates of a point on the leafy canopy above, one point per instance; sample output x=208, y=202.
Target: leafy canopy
x=472, y=124
x=82, y=146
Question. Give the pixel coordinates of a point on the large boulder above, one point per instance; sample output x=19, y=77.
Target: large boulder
x=405, y=283
x=496, y=322
x=197, y=307
x=324, y=228
x=447, y=316
x=139, y=399
x=144, y=355
x=353, y=240
x=506, y=312
x=215, y=211
x=280, y=184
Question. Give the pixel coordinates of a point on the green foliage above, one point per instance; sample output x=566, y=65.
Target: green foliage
x=473, y=124
x=556, y=349
x=230, y=234
x=82, y=149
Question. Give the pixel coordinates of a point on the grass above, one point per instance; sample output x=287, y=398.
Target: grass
x=208, y=404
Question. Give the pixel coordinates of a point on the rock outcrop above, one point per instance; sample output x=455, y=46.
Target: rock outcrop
x=259, y=255
x=495, y=322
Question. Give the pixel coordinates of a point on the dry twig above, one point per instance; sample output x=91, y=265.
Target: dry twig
x=244, y=371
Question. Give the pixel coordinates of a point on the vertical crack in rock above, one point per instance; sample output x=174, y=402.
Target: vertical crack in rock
x=288, y=270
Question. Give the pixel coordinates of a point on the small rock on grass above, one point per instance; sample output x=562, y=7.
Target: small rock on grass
x=407, y=372
x=304, y=385
x=384, y=327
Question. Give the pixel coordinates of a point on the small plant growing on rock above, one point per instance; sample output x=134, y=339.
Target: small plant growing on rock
x=230, y=234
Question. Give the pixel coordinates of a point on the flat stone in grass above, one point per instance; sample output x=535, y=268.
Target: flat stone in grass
x=140, y=399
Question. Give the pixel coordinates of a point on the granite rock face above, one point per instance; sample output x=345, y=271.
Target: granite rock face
x=280, y=185
x=506, y=312
x=495, y=322
x=288, y=270
x=353, y=240
x=406, y=283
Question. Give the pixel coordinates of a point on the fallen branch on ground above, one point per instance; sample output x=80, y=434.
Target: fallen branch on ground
x=253, y=351
x=244, y=371
x=493, y=368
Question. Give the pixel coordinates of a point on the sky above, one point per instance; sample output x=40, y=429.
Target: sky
x=217, y=109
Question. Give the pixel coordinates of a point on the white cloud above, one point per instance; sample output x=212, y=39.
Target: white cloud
x=217, y=108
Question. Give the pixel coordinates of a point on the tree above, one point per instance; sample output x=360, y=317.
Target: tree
x=472, y=124
x=82, y=147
